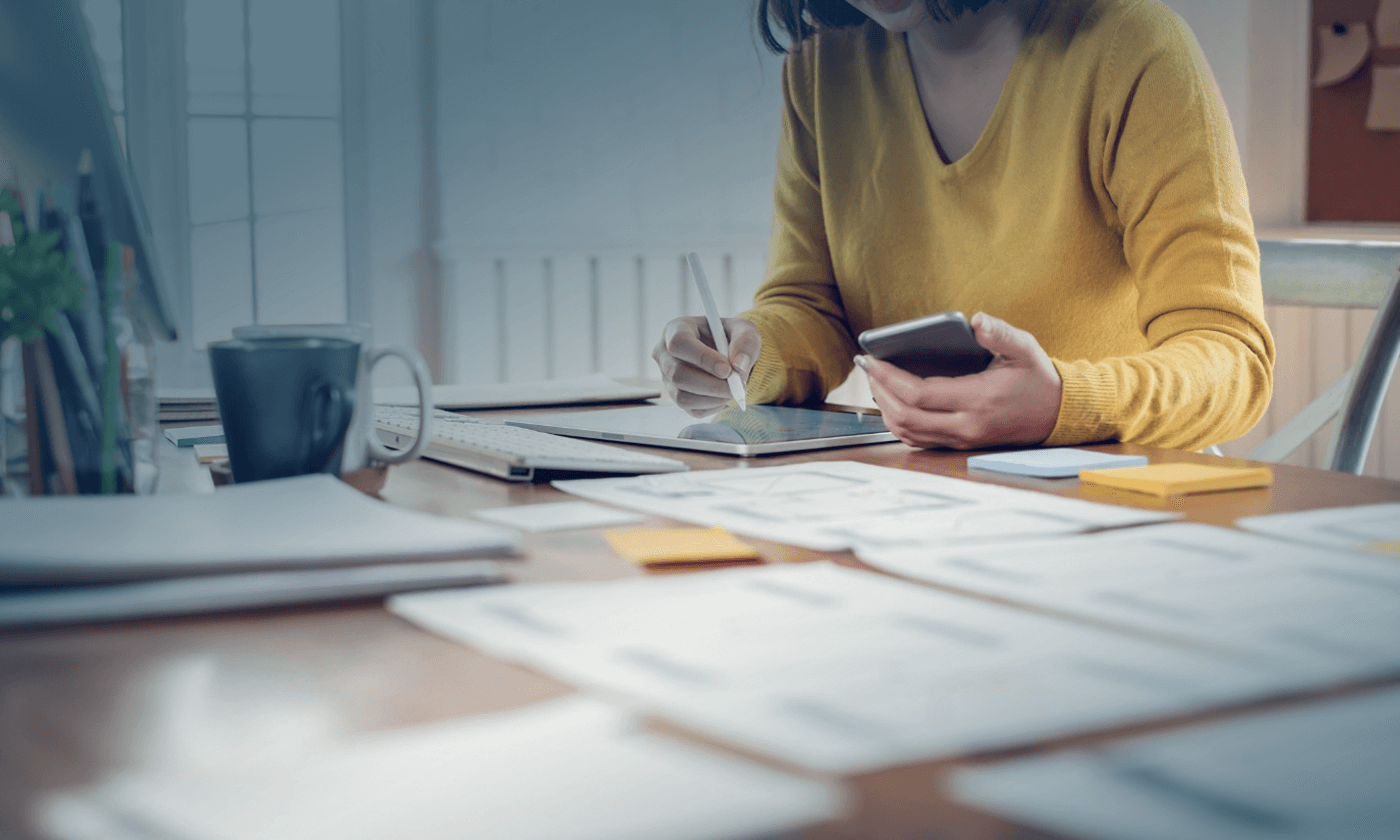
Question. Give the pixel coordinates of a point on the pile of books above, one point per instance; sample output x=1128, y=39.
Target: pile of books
x=187, y=405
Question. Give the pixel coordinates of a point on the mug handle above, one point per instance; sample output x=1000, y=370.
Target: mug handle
x=326, y=408
x=424, y=380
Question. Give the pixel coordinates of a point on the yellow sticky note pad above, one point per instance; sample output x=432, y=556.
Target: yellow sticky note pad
x=661, y=546
x=1174, y=479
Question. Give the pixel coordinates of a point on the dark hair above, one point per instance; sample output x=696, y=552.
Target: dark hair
x=800, y=19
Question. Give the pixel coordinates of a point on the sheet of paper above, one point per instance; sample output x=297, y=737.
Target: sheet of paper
x=1325, y=770
x=558, y=516
x=834, y=668
x=310, y=520
x=835, y=505
x=1343, y=527
x=580, y=390
x=1320, y=614
x=570, y=769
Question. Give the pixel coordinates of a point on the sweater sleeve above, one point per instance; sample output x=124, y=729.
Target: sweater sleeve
x=807, y=343
x=1171, y=173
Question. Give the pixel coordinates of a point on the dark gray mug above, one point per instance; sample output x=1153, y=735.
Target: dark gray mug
x=285, y=403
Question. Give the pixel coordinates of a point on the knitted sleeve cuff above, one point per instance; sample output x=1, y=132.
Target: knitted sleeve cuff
x=1089, y=403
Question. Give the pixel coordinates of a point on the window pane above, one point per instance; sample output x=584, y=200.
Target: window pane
x=214, y=55
x=301, y=268
x=221, y=281
x=104, y=20
x=295, y=52
x=218, y=169
x=296, y=165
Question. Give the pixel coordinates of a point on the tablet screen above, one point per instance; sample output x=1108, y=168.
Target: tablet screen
x=762, y=429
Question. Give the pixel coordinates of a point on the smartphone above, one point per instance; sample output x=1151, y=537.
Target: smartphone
x=937, y=345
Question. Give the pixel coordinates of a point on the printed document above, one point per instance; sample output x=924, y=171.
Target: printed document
x=570, y=769
x=836, y=669
x=836, y=505
x=1315, y=772
x=1323, y=614
x=1360, y=527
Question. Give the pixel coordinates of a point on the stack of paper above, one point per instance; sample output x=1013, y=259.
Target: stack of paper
x=1321, y=614
x=1318, y=772
x=268, y=542
x=834, y=668
x=179, y=405
x=679, y=546
x=1178, y=478
x=572, y=769
x=835, y=505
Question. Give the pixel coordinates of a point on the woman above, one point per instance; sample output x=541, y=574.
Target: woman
x=1064, y=166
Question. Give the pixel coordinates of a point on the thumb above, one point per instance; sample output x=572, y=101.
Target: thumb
x=1003, y=339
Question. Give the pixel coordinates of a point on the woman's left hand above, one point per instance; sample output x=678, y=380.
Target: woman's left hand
x=1016, y=400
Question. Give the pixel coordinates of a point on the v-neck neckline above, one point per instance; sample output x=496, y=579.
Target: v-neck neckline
x=910, y=95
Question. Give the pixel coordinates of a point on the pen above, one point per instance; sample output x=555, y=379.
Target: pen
x=736, y=387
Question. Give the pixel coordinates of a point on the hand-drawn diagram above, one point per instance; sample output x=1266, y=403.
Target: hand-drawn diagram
x=841, y=504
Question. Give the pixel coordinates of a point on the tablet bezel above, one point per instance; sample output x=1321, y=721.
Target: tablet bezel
x=591, y=425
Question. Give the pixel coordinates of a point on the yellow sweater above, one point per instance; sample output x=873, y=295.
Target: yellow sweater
x=1103, y=210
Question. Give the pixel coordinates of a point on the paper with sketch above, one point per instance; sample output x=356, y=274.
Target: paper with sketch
x=1313, y=772
x=1343, y=527
x=1322, y=614
x=570, y=769
x=579, y=390
x=833, y=668
x=310, y=520
x=835, y=505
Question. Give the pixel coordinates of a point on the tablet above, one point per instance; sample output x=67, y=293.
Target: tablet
x=761, y=430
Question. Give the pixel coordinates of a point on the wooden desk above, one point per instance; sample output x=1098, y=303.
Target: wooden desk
x=80, y=703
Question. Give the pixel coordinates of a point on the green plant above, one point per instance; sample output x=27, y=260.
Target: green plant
x=36, y=282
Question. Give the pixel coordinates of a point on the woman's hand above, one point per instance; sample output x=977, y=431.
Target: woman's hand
x=1016, y=400
x=694, y=372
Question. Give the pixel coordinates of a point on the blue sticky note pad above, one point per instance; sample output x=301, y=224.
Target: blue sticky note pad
x=1052, y=463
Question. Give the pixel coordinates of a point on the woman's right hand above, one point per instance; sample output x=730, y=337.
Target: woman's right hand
x=694, y=373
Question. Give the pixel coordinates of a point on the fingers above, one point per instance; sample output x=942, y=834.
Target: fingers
x=693, y=372
x=1007, y=404
x=744, y=344
x=1003, y=339
x=932, y=394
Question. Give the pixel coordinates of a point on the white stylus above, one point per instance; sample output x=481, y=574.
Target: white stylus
x=736, y=386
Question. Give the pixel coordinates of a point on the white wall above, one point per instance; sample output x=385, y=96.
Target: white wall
x=603, y=125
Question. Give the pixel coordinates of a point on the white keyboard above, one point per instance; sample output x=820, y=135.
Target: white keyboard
x=511, y=452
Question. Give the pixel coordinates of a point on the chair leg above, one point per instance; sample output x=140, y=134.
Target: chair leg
x=1367, y=393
